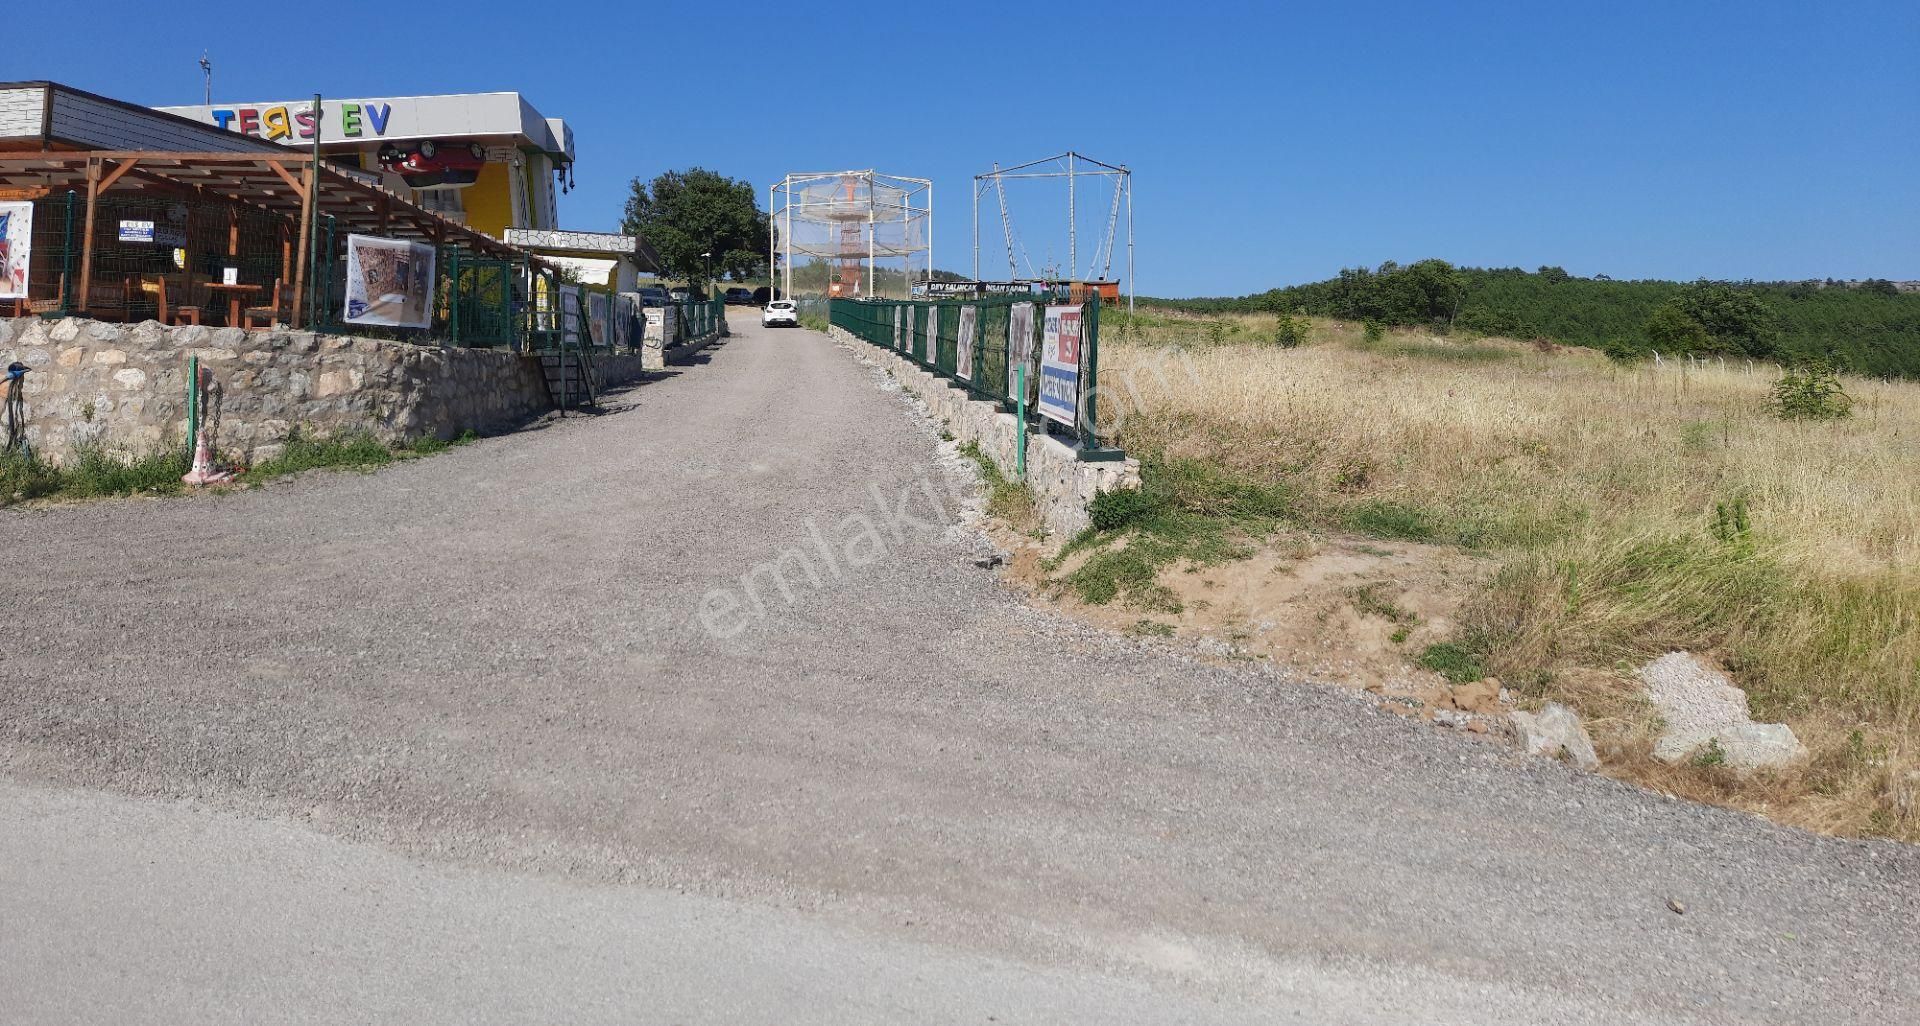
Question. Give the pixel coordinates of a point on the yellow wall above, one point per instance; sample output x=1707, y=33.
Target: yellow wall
x=489, y=200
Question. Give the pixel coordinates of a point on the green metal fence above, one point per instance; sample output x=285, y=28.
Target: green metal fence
x=698, y=318
x=999, y=360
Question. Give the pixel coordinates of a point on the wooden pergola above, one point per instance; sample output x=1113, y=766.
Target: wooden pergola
x=291, y=184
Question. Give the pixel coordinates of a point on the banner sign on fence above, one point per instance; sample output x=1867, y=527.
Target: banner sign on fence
x=907, y=336
x=16, y=248
x=963, y=351
x=599, y=318
x=1019, y=345
x=933, y=335
x=1060, y=366
x=570, y=314
x=389, y=282
x=896, y=329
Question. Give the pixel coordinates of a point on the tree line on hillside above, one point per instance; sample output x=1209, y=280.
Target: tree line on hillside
x=1866, y=327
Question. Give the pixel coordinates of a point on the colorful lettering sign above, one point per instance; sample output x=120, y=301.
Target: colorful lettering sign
x=284, y=123
x=1060, y=366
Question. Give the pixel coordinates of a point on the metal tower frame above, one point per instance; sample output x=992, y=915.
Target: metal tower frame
x=1076, y=166
x=909, y=200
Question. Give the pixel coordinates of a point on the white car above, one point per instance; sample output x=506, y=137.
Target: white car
x=780, y=312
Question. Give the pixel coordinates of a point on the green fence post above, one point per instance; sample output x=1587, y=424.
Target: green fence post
x=1091, y=429
x=453, y=298
x=1020, y=418
x=66, y=257
x=193, y=405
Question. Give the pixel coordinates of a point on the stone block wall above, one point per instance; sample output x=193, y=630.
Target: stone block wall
x=124, y=386
x=1063, y=485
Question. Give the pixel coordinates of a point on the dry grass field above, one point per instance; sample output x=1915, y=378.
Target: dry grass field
x=1626, y=510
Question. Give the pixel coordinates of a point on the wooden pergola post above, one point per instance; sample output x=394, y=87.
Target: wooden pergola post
x=96, y=184
x=308, y=183
x=86, y=240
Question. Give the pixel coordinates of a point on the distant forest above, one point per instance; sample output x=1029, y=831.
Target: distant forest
x=1867, y=327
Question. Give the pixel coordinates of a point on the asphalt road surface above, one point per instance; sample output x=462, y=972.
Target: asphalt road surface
x=502, y=736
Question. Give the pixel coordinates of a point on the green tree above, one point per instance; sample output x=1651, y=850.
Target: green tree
x=1670, y=330
x=1734, y=319
x=684, y=215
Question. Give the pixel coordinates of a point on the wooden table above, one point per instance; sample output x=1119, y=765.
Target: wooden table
x=235, y=293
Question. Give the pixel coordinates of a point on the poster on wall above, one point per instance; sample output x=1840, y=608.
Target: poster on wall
x=931, y=349
x=907, y=347
x=963, y=349
x=1019, y=345
x=896, y=329
x=389, y=282
x=1060, y=366
x=16, y=248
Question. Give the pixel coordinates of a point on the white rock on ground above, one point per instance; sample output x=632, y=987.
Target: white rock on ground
x=1702, y=707
x=1556, y=731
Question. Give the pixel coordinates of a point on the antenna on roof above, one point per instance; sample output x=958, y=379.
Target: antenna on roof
x=206, y=69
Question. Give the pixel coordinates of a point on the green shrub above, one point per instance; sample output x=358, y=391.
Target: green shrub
x=25, y=477
x=1373, y=331
x=1292, y=332
x=1456, y=662
x=1810, y=392
x=96, y=471
x=1121, y=507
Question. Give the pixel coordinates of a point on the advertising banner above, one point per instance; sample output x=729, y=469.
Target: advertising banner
x=1060, y=366
x=907, y=337
x=570, y=326
x=933, y=335
x=389, y=282
x=599, y=318
x=16, y=248
x=1019, y=345
x=896, y=329
x=963, y=350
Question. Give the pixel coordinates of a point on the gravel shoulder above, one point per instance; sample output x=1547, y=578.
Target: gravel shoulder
x=487, y=676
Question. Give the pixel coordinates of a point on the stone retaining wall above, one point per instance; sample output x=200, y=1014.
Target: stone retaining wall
x=1063, y=485
x=124, y=385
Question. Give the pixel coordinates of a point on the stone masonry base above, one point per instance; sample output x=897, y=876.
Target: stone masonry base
x=1063, y=485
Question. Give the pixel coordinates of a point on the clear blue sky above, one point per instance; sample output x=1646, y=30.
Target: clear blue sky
x=1272, y=143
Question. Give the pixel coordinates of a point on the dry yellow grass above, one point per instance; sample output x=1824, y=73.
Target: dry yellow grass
x=1602, y=490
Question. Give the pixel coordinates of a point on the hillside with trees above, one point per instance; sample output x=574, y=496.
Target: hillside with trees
x=1866, y=327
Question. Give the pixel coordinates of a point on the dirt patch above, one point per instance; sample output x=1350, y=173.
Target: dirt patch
x=1344, y=609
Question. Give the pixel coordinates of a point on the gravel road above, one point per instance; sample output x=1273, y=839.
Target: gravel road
x=500, y=736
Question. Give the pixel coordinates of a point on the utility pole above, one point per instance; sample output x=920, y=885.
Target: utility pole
x=206, y=70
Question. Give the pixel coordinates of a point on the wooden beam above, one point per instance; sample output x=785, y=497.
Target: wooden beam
x=86, y=241
x=121, y=169
x=300, y=268
x=28, y=192
x=281, y=170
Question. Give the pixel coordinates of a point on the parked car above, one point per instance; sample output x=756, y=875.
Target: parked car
x=739, y=296
x=763, y=293
x=654, y=295
x=780, y=312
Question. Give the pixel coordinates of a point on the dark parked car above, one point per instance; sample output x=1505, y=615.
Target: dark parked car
x=739, y=297
x=763, y=295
